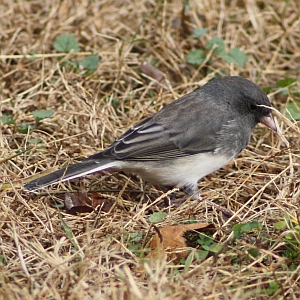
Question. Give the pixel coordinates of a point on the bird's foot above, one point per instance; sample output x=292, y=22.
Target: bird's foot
x=220, y=208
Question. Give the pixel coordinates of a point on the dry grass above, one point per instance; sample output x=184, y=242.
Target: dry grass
x=38, y=260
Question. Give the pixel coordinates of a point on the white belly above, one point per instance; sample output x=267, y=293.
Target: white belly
x=177, y=172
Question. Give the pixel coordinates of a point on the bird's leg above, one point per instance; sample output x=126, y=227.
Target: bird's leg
x=168, y=201
x=191, y=190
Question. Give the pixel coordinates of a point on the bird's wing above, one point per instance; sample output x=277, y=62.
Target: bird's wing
x=185, y=127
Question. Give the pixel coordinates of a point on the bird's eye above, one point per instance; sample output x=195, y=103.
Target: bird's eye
x=253, y=107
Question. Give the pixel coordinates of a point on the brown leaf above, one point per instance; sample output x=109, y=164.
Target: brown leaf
x=77, y=203
x=99, y=201
x=170, y=240
x=154, y=73
x=80, y=203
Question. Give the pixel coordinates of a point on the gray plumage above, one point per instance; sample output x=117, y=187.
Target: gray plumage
x=185, y=141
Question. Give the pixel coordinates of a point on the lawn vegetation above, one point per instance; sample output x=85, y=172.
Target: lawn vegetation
x=74, y=76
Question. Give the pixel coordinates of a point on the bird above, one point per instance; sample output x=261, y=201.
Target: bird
x=185, y=141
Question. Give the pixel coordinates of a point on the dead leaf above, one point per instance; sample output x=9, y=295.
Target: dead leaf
x=171, y=242
x=98, y=201
x=156, y=74
x=80, y=203
x=152, y=72
x=77, y=203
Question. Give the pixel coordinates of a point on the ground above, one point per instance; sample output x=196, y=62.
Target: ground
x=63, y=98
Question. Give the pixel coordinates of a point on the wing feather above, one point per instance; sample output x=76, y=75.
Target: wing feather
x=172, y=133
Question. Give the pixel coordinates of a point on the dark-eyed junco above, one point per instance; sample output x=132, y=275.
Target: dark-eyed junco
x=193, y=136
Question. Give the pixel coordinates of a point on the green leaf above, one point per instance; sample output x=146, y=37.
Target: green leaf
x=239, y=56
x=256, y=225
x=202, y=254
x=196, y=57
x=135, y=236
x=33, y=56
x=91, y=62
x=292, y=110
x=286, y=82
x=205, y=240
x=24, y=128
x=198, y=32
x=69, y=233
x=73, y=64
x=273, y=288
x=66, y=43
x=293, y=267
x=134, y=247
x=290, y=254
x=253, y=252
x=280, y=225
x=218, y=43
x=249, y=226
x=289, y=237
x=191, y=220
x=42, y=114
x=7, y=120
x=188, y=262
x=141, y=40
x=227, y=57
x=267, y=89
x=239, y=228
x=157, y=217
x=246, y=228
x=34, y=141
x=236, y=228
x=235, y=56
x=2, y=260
x=215, y=248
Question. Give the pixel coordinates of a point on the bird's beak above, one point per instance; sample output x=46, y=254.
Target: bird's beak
x=269, y=122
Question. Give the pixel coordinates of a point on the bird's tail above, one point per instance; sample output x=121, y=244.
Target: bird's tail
x=80, y=169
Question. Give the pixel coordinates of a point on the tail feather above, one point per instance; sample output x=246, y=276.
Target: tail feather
x=73, y=171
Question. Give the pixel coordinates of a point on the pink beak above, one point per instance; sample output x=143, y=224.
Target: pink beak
x=269, y=122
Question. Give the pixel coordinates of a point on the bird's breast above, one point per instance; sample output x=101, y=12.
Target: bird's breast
x=180, y=171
